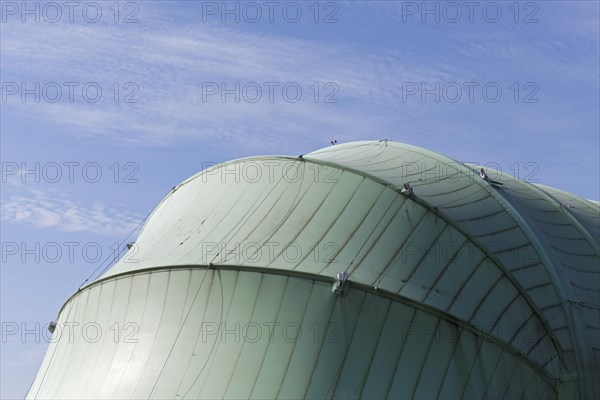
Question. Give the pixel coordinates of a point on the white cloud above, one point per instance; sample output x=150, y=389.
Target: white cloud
x=170, y=61
x=51, y=209
x=169, y=64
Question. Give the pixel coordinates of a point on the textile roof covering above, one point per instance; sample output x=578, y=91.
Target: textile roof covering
x=514, y=264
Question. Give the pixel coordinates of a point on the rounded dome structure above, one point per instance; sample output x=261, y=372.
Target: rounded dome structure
x=362, y=270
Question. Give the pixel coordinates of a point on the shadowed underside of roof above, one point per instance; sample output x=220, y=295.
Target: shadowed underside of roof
x=547, y=238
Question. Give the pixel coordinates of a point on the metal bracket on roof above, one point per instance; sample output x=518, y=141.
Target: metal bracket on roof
x=340, y=286
x=176, y=187
x=407, y=190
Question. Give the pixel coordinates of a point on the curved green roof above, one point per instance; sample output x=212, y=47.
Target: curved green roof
x=516, y=265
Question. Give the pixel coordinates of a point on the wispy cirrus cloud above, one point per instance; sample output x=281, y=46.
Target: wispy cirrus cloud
x=171, y=63
x=54, y=210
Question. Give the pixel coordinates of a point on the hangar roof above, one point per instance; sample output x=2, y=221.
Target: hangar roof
x=516, y=260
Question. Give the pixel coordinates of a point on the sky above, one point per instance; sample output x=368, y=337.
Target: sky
x=107, y=105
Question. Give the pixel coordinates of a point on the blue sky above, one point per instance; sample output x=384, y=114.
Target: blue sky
x=353, y=71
